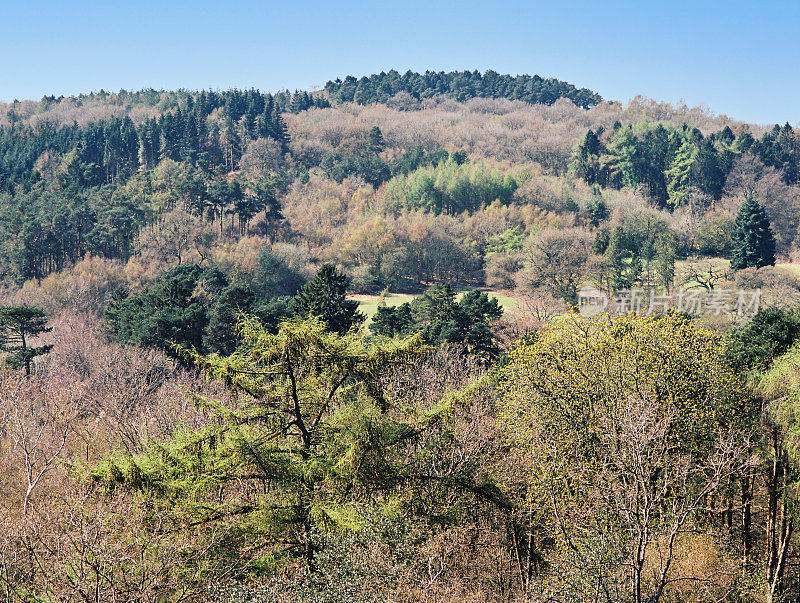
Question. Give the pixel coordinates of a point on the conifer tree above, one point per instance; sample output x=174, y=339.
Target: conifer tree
x=753, y=241
x=615, y=256
x=18, y=324
x=679, y=175
x=315, y=427
x=376, y=142
x=325, y=297
x=279, y=130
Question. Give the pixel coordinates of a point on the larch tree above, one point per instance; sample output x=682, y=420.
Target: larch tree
x=311, y=432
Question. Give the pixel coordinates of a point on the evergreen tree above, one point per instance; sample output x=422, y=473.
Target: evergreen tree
x=596, y=210
x=173, y=310
x=279, y=130
x=753, y=242
x=376, y=142
x=18, y=324
x=679, y=175
x=325, y=297
x=220, y=333
x=392, y=321
x=665, y=251
x=443, y=319
x=770, y=333
x=615, y=256
x=625, y=264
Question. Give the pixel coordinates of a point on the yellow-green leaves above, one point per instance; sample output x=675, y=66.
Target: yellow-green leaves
x=624, y=426
x=582, y=369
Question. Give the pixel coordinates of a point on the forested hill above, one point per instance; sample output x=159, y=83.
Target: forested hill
x=98, y=175
x=460, y=85
x=121, y=132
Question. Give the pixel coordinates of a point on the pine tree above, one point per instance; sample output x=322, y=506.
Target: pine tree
x=325, y=297
x=279, y=130
x=376, y=142
x=753, y=242
x=18, y=325
x=220, y=333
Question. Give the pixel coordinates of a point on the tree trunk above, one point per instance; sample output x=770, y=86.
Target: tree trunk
x=773, y=481
x=780, y=537
x=747, y=495
x=729, y=517
x=531, y=545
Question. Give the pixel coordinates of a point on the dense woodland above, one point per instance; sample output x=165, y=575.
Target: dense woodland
x=325, y=346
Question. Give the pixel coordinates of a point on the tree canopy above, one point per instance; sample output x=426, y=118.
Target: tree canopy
x=626, y=424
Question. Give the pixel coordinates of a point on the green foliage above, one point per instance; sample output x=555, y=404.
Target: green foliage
x=596, y=209
x=679, y=175
x=376, y=142
x=624, y=266
x=442, y=319
x=507, y=241
x=584, y=163
x=418, y=157
x=450, y=187
x=752, y=240
x=562, y=378
x=601, y=240
x=167, y=312
x=780, y=385
x=219, y=332
x=778, y=148
x=325, y=297
x=18, y=324
x=674, y=165
x=460, y=85
x=368, y=166
x=310, y=425
x=194, y=307
x=393, y=321
x=769, y=334
x=664, y=262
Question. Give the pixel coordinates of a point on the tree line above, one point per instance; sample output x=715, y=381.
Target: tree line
x=679, y=166
x=460, y=85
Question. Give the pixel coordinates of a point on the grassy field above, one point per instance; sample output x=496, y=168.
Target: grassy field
x=793, y=268
x=368, y=304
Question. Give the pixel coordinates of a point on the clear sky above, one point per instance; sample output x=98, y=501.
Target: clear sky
x=739, y=58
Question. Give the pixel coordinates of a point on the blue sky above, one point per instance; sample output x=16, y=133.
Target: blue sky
x=739, y=58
